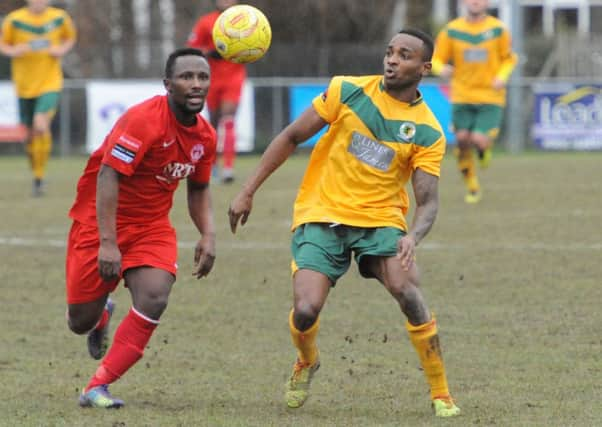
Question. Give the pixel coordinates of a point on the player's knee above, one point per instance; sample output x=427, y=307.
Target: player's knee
x=80, y=325
x=153, y=304
x=305, y=315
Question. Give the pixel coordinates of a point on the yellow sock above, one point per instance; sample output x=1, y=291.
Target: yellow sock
x=307, y=350
x=466, y=165
x=426, y=342
x=39, y=152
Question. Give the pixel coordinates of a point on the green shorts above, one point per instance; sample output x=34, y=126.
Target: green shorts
x=328, y=249
x=44, y=103
x=481, y=118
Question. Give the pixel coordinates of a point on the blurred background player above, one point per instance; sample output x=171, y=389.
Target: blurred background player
x=352, y=202
x=153, y=146
x=227, y=79
x=475, y=53
x=36, y=37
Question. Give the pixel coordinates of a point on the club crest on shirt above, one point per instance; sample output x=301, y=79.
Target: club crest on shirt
x=197, y=152
x=407, y=131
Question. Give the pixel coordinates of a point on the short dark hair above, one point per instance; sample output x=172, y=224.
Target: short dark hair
x=427, y=41
x=175, y=55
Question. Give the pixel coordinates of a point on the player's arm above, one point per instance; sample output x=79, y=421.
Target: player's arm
x=281, y=147
x=8, y=48
x=509, y=60
x=201, y=213
x=426, y=192
x=62, y=49
x=442, y=56
x=68, y=40
x=107, y=194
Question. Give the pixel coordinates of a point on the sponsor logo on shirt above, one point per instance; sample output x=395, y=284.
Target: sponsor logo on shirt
x=175, y=171
x=475, y=55
x=168, y=143
x=371, y=152
x=123, y=153
x=129, y=142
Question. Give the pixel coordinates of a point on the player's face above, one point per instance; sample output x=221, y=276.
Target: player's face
x=403, y=63
x=37, y=6
x=189, y=83
x=476, y=7
x=224, y=4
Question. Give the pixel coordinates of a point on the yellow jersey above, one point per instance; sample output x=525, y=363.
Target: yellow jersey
x=479, y=51
x=37, y=72
x=358, y=169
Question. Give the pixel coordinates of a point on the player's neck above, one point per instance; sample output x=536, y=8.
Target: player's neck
x=476, y=17
x=407, y=95
x=36, y=11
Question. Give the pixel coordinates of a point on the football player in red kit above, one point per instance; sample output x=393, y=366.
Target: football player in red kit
x=121, y=228
x=226, y=86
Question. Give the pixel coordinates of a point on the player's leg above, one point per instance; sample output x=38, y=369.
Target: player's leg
x=319, y=259
x=26, y=110
x=485, y=131
x=227, y=132
x=150, y=288
x=41, y=140
x=89, y=308
x=376, y=257
x=463, y=121
x=230, y=97
x=310, y=289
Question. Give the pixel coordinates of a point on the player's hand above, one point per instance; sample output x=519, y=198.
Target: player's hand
x=406, y=251
x=498, y=84
x=240, y=208
x=56, y=51
x=204, y=256
x=109, y=261
x=447, y=71
x=20, y=50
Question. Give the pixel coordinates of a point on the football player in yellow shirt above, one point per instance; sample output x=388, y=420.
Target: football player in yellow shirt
x=352, y=202
x=475, y=53
x=36, y=37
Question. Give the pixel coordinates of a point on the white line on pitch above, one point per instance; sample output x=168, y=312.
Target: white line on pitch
x=225, y=245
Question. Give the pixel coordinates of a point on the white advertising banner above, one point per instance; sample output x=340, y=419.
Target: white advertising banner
x=108, y=100
x=9, y=110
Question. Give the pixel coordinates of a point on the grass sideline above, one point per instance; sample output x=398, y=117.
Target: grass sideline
x=514, y=281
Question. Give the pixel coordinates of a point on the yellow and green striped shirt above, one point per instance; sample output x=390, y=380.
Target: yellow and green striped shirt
x=37, y=72
x=479, y=51
x=358, y=169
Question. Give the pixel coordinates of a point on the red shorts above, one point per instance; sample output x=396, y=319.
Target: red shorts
x=152, y=245
x=224, y=89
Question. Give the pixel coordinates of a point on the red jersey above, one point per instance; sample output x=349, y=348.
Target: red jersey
x=153, y=152
x=202, y=38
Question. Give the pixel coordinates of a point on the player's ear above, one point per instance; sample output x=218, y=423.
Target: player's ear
x=427, y=67
x=167, y=84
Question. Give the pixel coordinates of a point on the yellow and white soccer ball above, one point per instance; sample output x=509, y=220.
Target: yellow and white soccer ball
x=242, y=34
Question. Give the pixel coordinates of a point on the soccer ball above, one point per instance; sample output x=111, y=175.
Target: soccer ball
x=242, y=34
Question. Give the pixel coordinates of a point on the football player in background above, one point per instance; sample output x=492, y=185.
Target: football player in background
x=475, y=52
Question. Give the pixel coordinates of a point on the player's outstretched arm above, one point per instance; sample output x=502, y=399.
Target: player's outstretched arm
x=107, y=194
x=201, y=213
x=426, y=192
x=281, y=147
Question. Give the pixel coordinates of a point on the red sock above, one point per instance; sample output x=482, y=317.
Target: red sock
x=227, y=126
x=129, y=342
x=104, y=318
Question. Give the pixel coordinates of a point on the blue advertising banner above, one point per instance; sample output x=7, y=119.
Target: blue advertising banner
x=435, y=95
x=567, y=117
